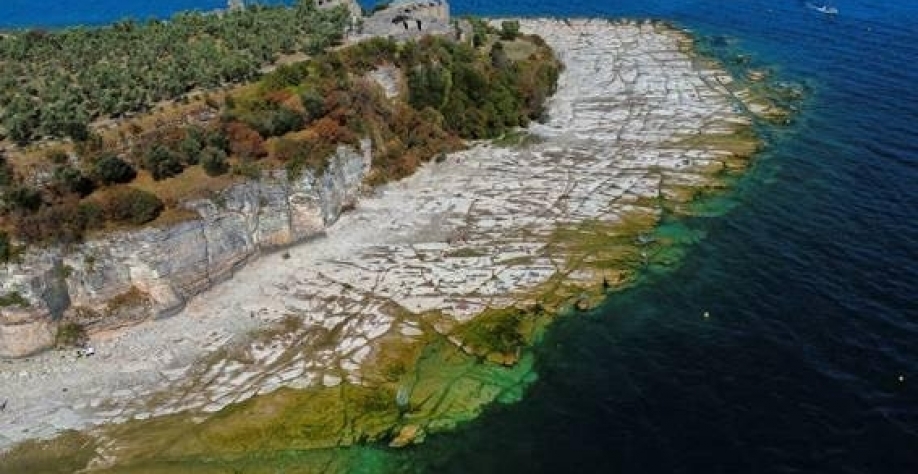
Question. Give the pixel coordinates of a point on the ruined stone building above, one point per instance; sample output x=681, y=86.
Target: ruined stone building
x=406, y=19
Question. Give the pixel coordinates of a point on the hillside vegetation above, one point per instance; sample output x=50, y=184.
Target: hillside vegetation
x=52, y=84
x=293, y=119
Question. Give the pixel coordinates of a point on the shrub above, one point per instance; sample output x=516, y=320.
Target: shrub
x=71, y=180
x=190, y=147
x=314, y=105
x=247, y=169
x=245, y=142
x=75, y=129
x=58, y=157
x=109, y=169
x=23, y=198
x=62, y=223
x=163, y=163
x=267, y=116
x=13, y=299
x=200, y=138
x=70, y=334
x=91, y=214
x=213, y=160
x=282, y=121
x=6, y=172
x=132, y=205
x=6, y=247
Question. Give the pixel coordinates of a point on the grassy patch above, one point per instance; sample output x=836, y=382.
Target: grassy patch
x=516, y=139
x=193, y=183
x=131, y=298
x=520, y=49
x=14, y=298
x=70, y=334
x=466, y=252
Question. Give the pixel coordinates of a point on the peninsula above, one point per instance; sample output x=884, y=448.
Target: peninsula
x=412, y=305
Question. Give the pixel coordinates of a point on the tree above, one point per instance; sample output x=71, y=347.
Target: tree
x=509, y=30
x=429, y=85
x=480, y=31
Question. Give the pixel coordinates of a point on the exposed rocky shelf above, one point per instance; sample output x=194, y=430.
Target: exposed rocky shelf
x=637, y=126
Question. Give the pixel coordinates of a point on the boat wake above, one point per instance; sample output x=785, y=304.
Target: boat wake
x=828, y=10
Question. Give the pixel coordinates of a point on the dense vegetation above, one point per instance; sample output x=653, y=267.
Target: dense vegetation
x=292, y=118
x=52, y=84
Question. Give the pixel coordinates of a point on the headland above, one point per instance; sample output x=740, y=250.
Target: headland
x=415, y=309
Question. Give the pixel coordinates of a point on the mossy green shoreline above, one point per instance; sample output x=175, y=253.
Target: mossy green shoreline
x=346, y=428
x=415, y=387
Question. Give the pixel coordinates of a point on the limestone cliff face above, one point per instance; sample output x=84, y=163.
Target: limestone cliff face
x=129, y=276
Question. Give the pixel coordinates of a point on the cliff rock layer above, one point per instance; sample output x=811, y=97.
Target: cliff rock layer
x=130, y=276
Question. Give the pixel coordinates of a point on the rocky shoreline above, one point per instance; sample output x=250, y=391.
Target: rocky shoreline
x=638, y=126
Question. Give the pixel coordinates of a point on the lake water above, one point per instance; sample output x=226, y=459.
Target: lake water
x=811, y=277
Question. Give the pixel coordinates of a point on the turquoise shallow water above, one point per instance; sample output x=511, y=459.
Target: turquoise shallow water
x=810, y=277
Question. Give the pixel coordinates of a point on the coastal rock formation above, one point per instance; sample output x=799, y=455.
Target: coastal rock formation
x=103, y=282
x=372, y=332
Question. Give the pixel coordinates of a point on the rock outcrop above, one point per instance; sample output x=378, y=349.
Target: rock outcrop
x=152, y=272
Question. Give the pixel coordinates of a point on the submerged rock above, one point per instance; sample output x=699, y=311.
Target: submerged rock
x=408, y=434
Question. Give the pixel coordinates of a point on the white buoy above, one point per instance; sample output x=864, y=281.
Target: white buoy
x=707, y=314
x=901, y=378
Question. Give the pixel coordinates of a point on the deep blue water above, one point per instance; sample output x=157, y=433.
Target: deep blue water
x=811, y=279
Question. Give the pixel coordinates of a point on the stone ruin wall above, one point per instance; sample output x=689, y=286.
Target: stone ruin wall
x=404, y=20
